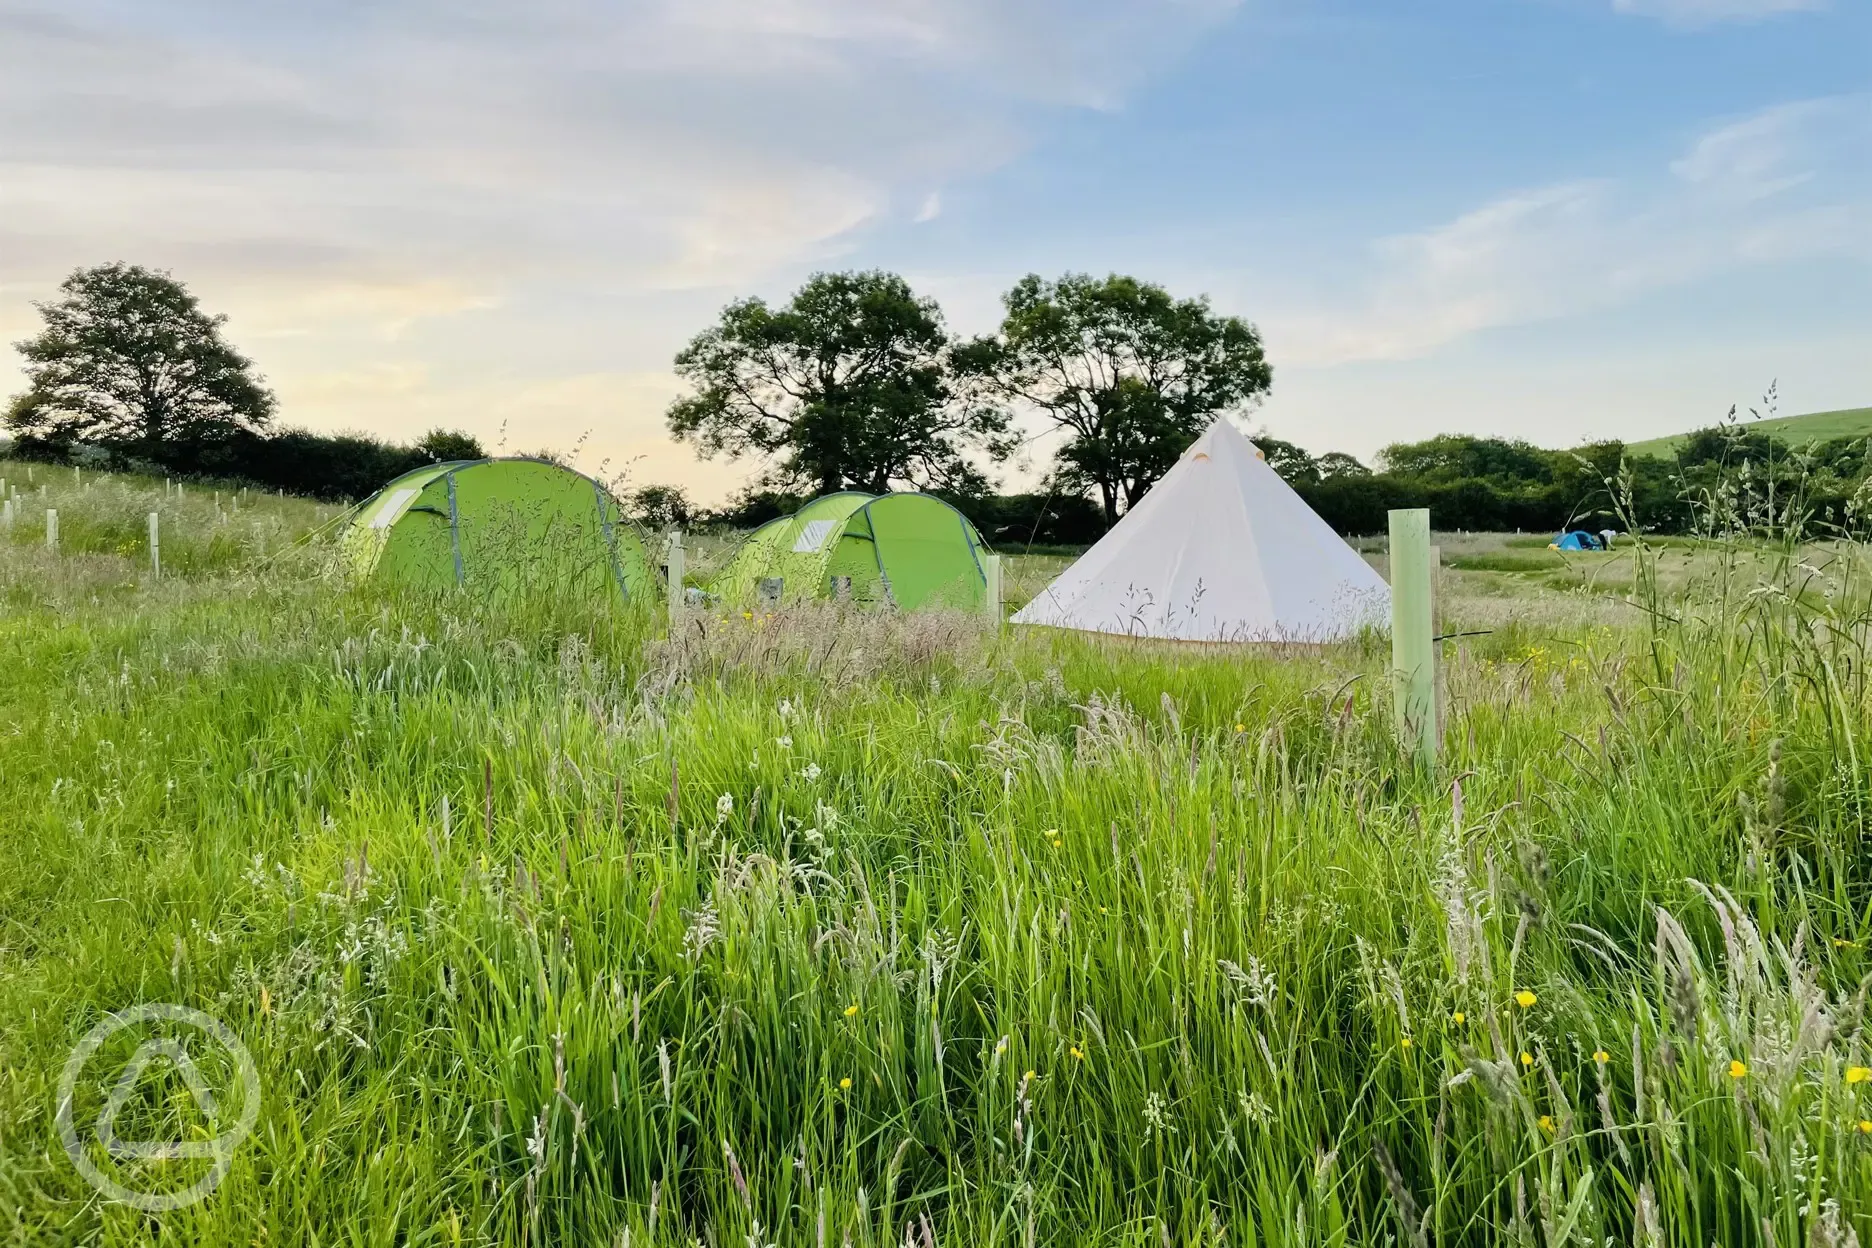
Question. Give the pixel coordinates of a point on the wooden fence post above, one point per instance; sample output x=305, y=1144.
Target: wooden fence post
x=991, y=567
x=51, y=529
x=1413, y=648
x=155, y=541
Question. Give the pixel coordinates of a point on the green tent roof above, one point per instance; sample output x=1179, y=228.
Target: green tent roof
x=497, y=524
x=911, y=550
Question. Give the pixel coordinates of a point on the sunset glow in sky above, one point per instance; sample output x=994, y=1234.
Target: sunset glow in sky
x=1543, y=218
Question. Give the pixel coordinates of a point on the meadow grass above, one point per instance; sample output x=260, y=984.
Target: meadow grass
x=545, y=926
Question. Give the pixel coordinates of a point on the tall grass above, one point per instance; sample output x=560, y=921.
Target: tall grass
x=824, y=928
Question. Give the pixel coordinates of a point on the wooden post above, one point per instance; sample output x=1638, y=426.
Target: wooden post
x=991, y=567
x=675, y=574
x=155, y=542
x=6, y=516
x=51, y=529
x=1413, y=650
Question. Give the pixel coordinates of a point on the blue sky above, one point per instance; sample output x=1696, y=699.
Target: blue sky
x=1543, y=218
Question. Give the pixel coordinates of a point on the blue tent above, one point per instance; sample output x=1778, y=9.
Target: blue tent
x=1579, y=539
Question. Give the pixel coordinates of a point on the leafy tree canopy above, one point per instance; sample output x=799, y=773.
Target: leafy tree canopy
x=659, y=506
x=1456, y=456
x=1295, y=465
x=128, y=362
x=1336, y=464
x=447, y=445
x=845, y=386
x=1131, y=374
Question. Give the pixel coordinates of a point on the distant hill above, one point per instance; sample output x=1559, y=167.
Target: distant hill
x=1850, y=422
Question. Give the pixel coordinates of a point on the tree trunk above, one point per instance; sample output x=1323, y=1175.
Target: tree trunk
x=1109, y=494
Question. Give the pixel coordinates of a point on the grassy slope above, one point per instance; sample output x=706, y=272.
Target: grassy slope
x=1849, y=422
x=1115, y=944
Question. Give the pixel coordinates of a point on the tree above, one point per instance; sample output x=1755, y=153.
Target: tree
x=1450, y=457
x=448, y=445
x=659, y=506
x=1336, y=464
x=129, y=363
x=1132, y=375
x=1295, y=465
x=845, y=386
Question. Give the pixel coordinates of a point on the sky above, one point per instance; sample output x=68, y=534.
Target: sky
x=1550, y=219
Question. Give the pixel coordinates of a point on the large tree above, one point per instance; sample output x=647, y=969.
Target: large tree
x=846, y=385
x=128, y=362
x=1131, y=374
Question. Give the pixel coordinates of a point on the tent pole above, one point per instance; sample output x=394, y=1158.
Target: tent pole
x=455, y=529
x=1413, y=657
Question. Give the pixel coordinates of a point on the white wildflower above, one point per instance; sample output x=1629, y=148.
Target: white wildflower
x=704, y=927
x=1255, y=981
x=1157, y=1116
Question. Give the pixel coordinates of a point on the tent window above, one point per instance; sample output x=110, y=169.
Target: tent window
x=812, y=536
x=392, y=508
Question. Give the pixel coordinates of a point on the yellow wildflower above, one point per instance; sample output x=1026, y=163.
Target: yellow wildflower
x=1240, y=728
x=1076, y=1053
x=1527, y=1058
x=845, y=1084
x=1407, y=1042
x=1525, y=999
x=1601, y=1056
x=1029, y=1075
x=1865, y=1128
x=1546, y=1123
x=851, y=1011
x=1858, y=1074
x=1459, y=1018
x=1738, y=1070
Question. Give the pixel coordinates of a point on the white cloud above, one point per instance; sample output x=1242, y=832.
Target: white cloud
x=1790, y=182
x=446, y=202
x=677, y=141
x=1694, y=13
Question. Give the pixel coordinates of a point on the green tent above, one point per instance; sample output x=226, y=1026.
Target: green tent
x=910, y=550
x=498, y=524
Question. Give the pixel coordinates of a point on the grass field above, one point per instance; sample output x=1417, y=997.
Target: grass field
x=1851, y=422
x=544, y=927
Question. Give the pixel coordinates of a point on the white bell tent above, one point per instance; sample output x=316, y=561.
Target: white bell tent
x=1221, y=549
